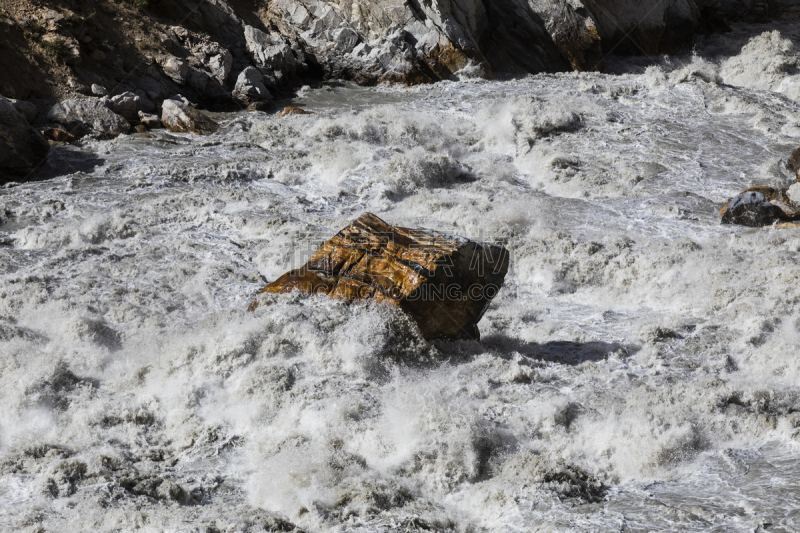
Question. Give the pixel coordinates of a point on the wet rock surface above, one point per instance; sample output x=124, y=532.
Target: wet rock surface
x=445, y=283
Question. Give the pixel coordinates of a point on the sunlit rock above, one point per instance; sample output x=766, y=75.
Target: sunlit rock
x=445, y=283
x=180, y=117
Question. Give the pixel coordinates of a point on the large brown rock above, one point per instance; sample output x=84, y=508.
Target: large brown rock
x=179, y=117
x=445, y=283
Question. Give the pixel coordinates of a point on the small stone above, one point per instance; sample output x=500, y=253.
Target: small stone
x=445, y=283
x=141, y=128
x=99, y=90
x=180, y=117
x=794, y=193
x=98, y=55
x=86, y=39
x=751, y=209
x=250, y=86
x=291, y=110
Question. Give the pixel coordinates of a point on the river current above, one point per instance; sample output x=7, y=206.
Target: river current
x=638, y=371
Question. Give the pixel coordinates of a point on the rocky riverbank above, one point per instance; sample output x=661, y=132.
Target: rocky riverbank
x=226, y=55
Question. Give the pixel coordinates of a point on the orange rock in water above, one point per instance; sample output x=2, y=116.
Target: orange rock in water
x=291, y=110
x=445, y=283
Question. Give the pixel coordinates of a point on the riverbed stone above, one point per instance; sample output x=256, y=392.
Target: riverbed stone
x=180, y=117
x=445, y=283
x=794, y=163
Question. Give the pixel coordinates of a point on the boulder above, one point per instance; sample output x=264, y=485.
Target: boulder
x=26, y=109
x=99, y=90
x=445, y=283
x=126, y=105
x=180, y=117
x=250, y=86
x=22, y=148
x=91, y=114
x=751, y=208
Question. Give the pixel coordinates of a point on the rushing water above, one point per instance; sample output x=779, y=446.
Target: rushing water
x=638, y=371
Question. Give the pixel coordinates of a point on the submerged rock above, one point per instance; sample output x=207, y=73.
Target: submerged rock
x=445, y=283
x=180, y=117
x=22, y=148
x=92, y=114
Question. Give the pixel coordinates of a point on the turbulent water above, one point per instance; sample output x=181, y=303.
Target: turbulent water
x=638, y=371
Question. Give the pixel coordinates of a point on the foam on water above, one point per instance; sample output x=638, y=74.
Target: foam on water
x=638, y=370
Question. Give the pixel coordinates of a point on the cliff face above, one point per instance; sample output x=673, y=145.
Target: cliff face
x=159, y=48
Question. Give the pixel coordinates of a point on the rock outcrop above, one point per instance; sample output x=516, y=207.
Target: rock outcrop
x=179, y=117
x=762, y=206
x=89, y=115
x=445, y=283
x=22, y=148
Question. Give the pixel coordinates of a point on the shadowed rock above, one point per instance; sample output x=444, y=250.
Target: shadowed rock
x=445, y=283
x=21, y=147
x=794, y=163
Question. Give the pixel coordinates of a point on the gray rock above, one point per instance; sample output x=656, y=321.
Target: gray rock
x=22, y=148
x=92, y=114
x=176, y=69
x=751, y=209
x=220, y=65
x=26, y=109
x=99, y=90
x=346, y=38
x=270, y=50
x=179, y=117
x=250, y=86
x=125, y=105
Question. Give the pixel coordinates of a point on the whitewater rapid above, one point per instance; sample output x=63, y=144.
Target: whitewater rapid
x=638, y=371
